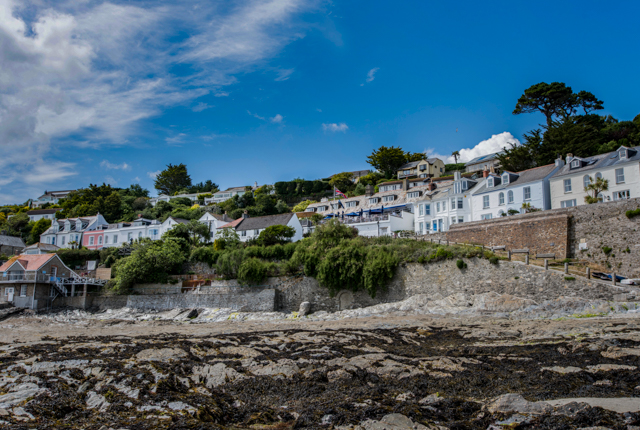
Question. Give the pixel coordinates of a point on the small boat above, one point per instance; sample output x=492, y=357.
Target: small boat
x=607, y=276
x=629, y=281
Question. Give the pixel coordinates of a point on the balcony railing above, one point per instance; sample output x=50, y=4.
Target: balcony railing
x=359, y=220
x=27, y=277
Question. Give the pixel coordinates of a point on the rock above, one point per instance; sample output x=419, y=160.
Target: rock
x=240, y=350
x=405, y=396
x=618, y=404
x=284, y=367
x=3, y=412
x=603, y=383
x=392, y=422
x=336, y=375
x=516, y=403
x=180, y=406
x=19, y=394
x=193, y=313
x=326, y=420
x=97, y=401
x=609, y=367
x=305, y=309
x=20, y=412
x=431, y=398
x=161, y=354
x=514, y=421
x=563, y=370
x=215, y=375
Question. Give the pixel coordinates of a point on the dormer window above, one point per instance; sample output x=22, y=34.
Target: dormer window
x=465, y=185
x=624, y=153
x=490, y=182
x=388, y=198
x=373, y=200
x=575, y=164
x=414, y=194
x=505, y=178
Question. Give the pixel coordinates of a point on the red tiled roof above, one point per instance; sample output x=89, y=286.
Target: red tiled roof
x=29, y=262
x=233, y=224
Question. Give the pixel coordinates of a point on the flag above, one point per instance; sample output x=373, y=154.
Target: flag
x=340, y=193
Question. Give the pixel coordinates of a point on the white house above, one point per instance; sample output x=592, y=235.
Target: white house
x=482, y=163
x=221, y=196
x=214, y=222
x=38, y=214
x=165, y=198
x=126, y=232
x=52, y=197
x=446, y=203
x=505, y=194
x=67, y=230
x=251, y=227
x=620, y=168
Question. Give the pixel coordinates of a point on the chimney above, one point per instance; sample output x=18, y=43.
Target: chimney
x=432, y=186
x=139, y=215
x=492, y=169
x=245, y=215
x=405, y=184
x=569, y=158
x=559, y=162
x=255, y=184
x=456, y=175
x=485, y=173
x=369, y=190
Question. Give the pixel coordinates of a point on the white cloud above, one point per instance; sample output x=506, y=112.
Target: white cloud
x=110, y=180
x=494, y=144
x=276, y=119
x=200, y=107
x=176, y=140
x=371, y=74
x=283, y=74
x=255, y=115
x=136, y=179
x=335, y=127
x=319, y=110
x=71, y=73
x=155, y=174
x=110, y=166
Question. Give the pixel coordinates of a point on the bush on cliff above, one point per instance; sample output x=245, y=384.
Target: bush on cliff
x=252, y=271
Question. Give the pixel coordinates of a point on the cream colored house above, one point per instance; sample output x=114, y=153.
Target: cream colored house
x=429, y=168
x=620, y=168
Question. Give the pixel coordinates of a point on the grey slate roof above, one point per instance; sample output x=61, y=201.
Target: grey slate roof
x=261, y=222
x=482, y=158
x=415, y=163
x=12, y=241
x=43, y=211
x=596, y=162
x=42, y=246
x=524, y=177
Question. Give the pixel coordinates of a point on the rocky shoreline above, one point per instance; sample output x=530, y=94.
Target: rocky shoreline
x=370, y=373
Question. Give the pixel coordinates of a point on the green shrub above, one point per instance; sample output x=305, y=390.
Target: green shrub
x=461, y=264
x=632, y=213
x=77, y=257
x=204, y=254
x=229, y=263
x=276, y=234
x=607, y=250
x=341, y=269
x=569, y=278
x=494, y=260
x=252, y=271
x=379, y=268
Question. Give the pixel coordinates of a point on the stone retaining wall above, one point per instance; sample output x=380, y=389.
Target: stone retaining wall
x=241, y=299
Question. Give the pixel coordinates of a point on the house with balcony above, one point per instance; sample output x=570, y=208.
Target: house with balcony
x=38, y=214
x=505, y=194
x=33, y=281
x=446, y=203
x=384, y=213
x=227, y=194
x=51, y=197
x=427, y=168
x=214, y=222
x=68, y=232
x=621, y=169
x=114, y=235
x=250, y=227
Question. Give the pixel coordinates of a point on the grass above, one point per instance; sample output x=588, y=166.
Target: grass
x=632, y=213
x=569, y=278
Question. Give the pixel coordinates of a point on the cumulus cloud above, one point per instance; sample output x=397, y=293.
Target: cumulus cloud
x=495, y=143
x=154, y=175
x=255, y=115
x=71, y=75
x=276, y=119
x=110, y=166
x=176, y=140
x=335, y=127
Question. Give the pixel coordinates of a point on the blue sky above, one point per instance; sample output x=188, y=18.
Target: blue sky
x=270, y=90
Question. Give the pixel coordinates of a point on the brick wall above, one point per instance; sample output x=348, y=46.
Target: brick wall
x=540, y=232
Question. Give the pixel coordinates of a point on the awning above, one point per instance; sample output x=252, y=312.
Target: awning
x=353, y=214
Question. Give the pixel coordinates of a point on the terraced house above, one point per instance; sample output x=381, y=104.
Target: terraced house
x=427, y=168
x=621, y=169
x=68, y=232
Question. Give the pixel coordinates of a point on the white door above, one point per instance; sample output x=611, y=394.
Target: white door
x=10, y=294
x=54, y=271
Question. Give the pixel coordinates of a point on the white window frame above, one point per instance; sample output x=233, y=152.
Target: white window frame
x=438, y=207
x=620, y=175
x=91, y=240
x=510, y=196
x=621, y=195
x=444, y=206
x=420, y=209
x=243, y=233
x=486, y=216
x=23, y=291
x=568, y=203
x=453, y=203
x=115, y=239
x=505, y=178
x=420, y=227
x=485, y=202
x=460, y=203
x=567, y=185
x=99, y=240
x=586, y=181
x=373, y=200
x=526, y=193
x=388, y=199
x=427, y=209
x=490, y=182
x=106, y=239
x=575, y=163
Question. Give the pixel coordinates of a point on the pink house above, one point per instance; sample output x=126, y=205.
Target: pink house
x=93, y=239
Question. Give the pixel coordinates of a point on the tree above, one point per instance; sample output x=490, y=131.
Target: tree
x=226, y=239
x=342, y=181
x=204, y=187
x=521, y=157
x=193, y=232
x=594, y=188
x=276, y=234
x=282, y=207
x=38, y=228
x=172, y=179
x=302, y=206
x=371, y=178
x=555, y=100
x=140, y=203
x=455, y=155
x=387, y=160
x=135, y=190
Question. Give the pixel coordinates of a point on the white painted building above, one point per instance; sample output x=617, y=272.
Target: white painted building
x=497, y=195
x=127, y=232
x=447, y=203
x=70, y=230
x=214, y=222
x=620, y=168
x=38, y=214
x=251, y=227
x=227, y=194
x=165, y=198
x=51, y=197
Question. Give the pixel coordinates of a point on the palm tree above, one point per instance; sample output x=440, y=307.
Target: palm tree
x=455, y=155
x=593, y=189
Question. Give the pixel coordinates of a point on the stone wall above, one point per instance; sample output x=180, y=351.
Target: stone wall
x=241, y=299
x=540, y=232
x=605, y=224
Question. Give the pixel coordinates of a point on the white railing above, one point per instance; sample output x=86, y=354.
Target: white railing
x=28, y=277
